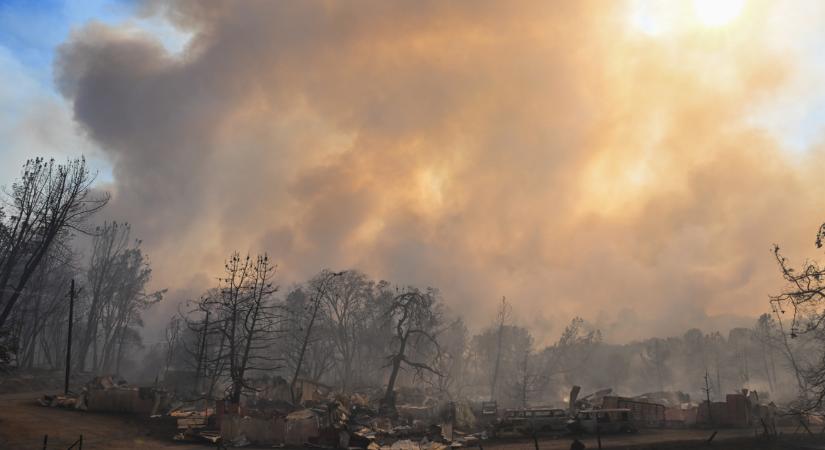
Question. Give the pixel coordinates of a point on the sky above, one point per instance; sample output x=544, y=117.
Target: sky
x=630, y=162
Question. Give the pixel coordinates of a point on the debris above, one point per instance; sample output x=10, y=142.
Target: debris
x=405, y=444
x=211, y=436
x=101, y=382
x=240, y=441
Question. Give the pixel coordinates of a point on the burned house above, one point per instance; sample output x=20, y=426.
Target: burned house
x=645, y=414
x=735, y=412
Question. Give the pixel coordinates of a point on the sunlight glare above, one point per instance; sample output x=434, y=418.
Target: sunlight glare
x=715, y=13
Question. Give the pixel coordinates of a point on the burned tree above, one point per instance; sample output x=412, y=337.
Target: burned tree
x=117, y=277
x=452, y=365
x=172, y=335
x=246, y=321
x=110, y=242
x=306, y=323
x=528, y=379
x=655, y=355
x=571, y=351
x=37, y=324
x=501, y=320
x=485, y=356
x=804, y=297
x=203, y=343
x=344, y=304
x=765, y=334
x=416, y=316
x=41, y=209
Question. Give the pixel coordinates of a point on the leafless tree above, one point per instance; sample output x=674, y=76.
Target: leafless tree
x=453, y=362
x=172, y=333
x=765, y=333
x=503, y=316
x=803, y=296
x=117, y=277
x=656, y=354
x=484, y=355
x=344, y=303
x=416, y=316
x=528, y=379
x=319, y=355
x=47, y=202
x=109, y=243
x=320, y=286
x=204, y=349
x=42, y=312
x=571, y=351
x=247, y=319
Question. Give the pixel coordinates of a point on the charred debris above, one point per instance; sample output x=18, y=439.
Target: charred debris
x=315, y=415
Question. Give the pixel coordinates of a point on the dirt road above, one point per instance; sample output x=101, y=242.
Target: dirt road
x=646, y=439
x=23, y=423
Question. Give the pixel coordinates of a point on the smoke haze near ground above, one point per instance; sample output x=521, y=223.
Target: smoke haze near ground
x=546, y=151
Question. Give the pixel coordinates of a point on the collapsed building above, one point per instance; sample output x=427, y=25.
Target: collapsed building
x=321, y=417
x=103, y=394
x=310, y=413
x=646, y=414
x=677, y=410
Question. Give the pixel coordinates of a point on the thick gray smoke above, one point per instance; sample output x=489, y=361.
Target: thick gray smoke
x=536, y=150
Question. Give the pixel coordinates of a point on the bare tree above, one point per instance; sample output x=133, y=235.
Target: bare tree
x=117, y=277
x=416, y=317
x=656, y=354
x=503, y=316
x=248, y=320
x=528, y=380
x=319, y=290
x=344, y=304
x=47, y=202
x=484, y=355
x=374, y=334
x=205, y=349
x=804, y=297
x=43, y=309
x=765, y=333
x=109, y=242
x=172, y=333
x=571, y=351
x=319, y=355
x=453, y=364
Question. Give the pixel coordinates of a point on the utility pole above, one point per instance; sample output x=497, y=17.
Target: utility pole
x=69, y=339
x=201, y=353
x=201, y=365
x=707, y=392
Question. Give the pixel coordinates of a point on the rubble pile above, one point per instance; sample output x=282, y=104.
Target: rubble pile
x=104, y=394
x=416, y=419
x=323, y=419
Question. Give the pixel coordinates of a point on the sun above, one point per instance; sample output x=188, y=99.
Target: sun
x=716, y=13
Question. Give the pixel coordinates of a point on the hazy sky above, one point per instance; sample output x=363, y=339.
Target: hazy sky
x=629, y=162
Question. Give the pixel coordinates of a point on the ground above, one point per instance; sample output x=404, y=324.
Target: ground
x=729, y=439
x=23, y=423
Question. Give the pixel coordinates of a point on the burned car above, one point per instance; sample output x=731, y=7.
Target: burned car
x=607, y=421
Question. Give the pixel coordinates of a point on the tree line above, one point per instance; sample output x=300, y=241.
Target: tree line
x=347, y=330
x=45, y=219
x=344, y=328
